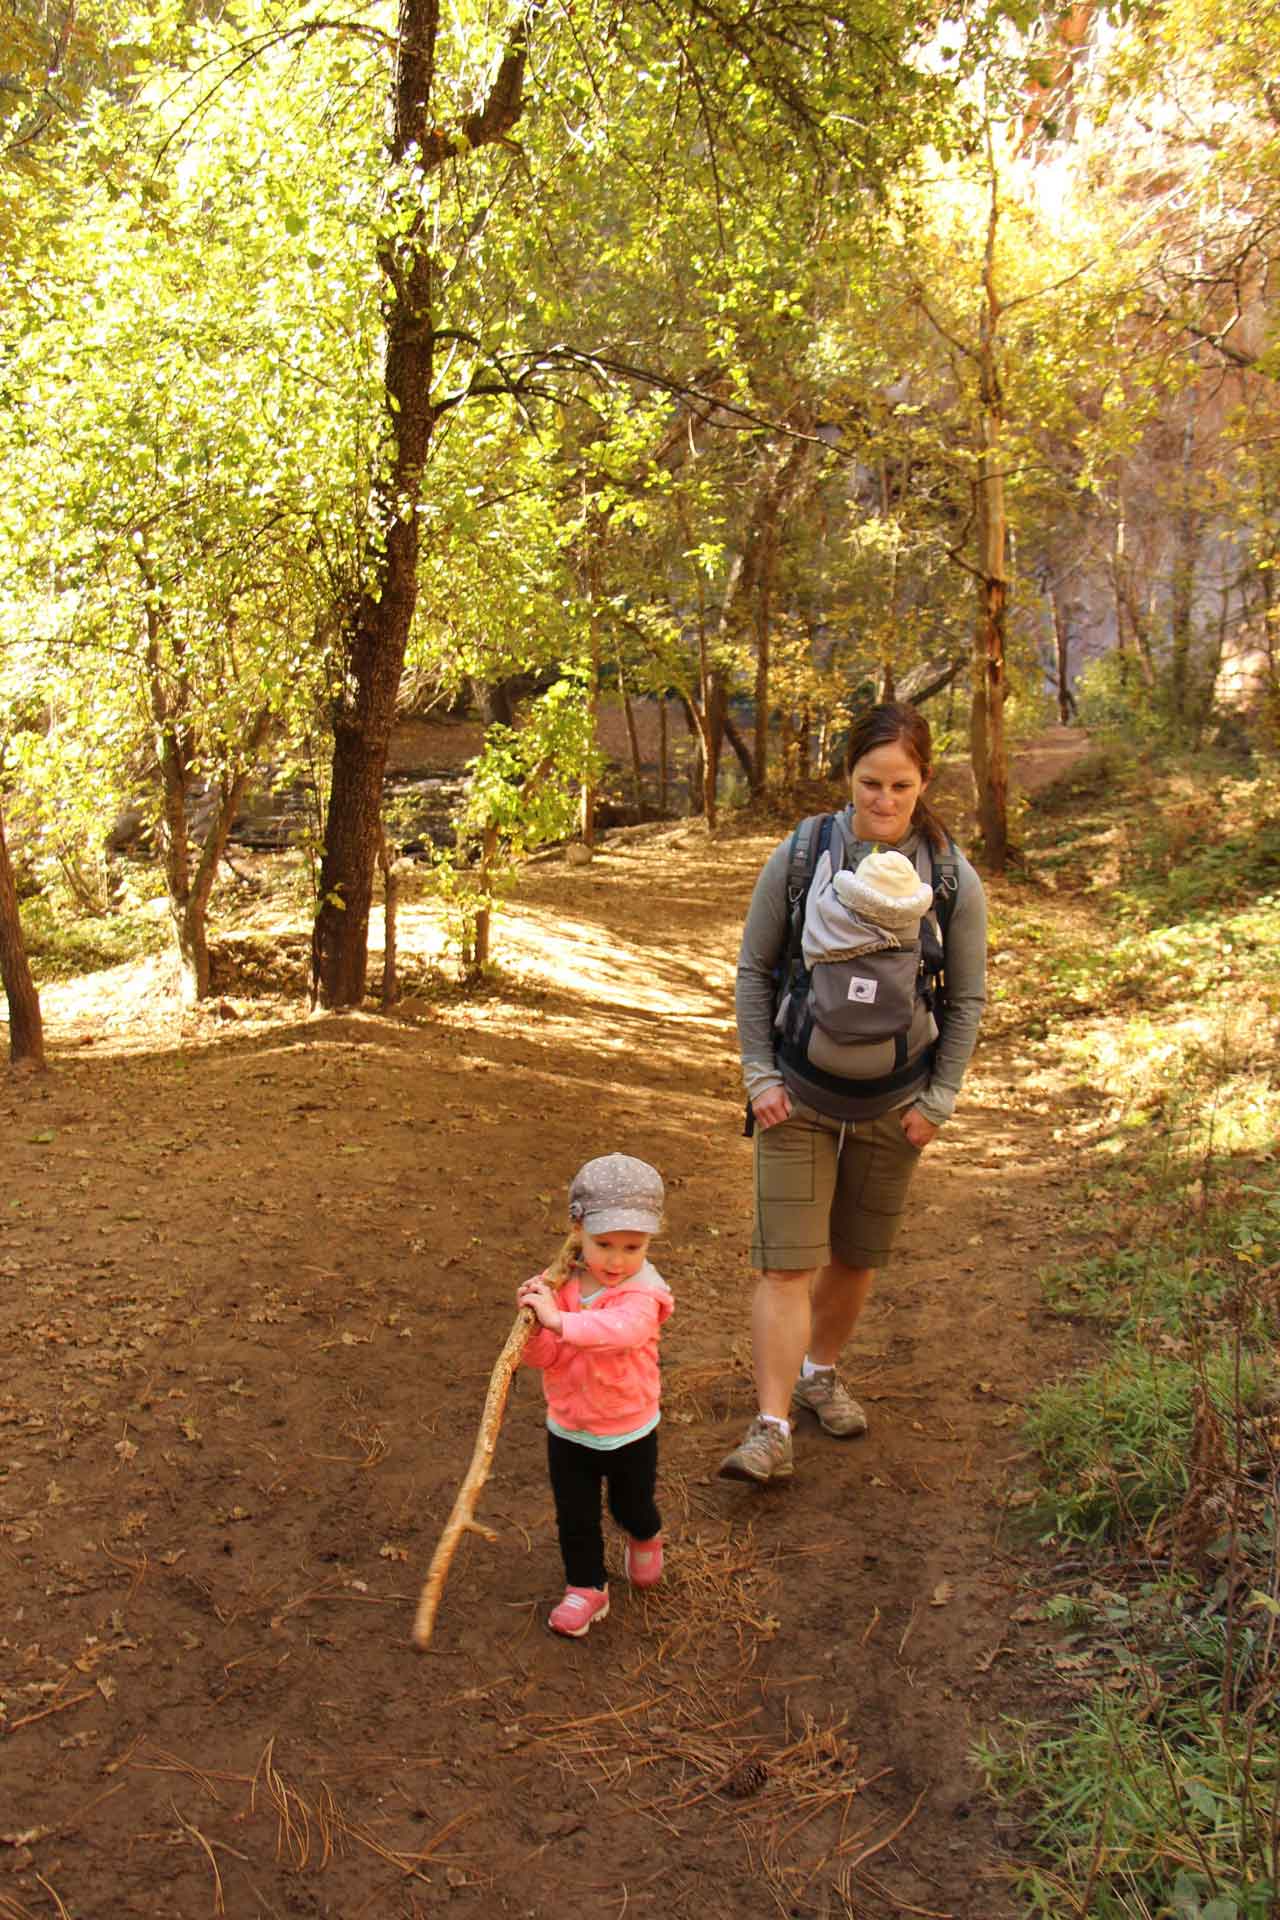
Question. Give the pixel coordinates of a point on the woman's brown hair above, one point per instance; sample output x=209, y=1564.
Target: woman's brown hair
x=894, y=724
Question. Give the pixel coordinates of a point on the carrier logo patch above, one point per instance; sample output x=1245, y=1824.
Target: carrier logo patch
x=862, y=990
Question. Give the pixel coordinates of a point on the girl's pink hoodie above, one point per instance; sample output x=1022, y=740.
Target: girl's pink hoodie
x=600, y=1373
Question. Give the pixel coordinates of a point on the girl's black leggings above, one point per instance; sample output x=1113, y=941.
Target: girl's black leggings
x=630, y=1473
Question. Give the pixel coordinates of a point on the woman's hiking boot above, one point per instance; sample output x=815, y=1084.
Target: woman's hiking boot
x=825, y=1394
x=764, y=1455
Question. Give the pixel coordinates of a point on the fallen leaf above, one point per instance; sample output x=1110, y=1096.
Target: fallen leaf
x=942, y=1593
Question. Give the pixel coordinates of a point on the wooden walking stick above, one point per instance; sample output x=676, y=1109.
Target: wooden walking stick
x=460, y=1520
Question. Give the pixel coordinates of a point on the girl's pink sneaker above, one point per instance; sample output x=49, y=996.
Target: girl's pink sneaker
x=643, y=1561
x=579, y=1610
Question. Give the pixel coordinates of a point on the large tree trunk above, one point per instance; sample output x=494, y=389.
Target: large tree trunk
x=378, y=629
x=26, y=1029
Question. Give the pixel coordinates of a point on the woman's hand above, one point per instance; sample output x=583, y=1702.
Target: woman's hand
x=918, y=1130
x=772, y=1107
x=541, y=1302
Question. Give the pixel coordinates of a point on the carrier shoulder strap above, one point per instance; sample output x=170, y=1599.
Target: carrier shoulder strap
x=944, y=877
x=808, y=843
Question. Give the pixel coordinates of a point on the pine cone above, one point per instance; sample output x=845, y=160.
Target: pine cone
x=746, y=1779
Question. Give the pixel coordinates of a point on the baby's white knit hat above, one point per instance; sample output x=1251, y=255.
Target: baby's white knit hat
x=886, y=889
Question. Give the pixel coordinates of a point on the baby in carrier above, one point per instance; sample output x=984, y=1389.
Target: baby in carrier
x=877, y=904
x=857, y=1021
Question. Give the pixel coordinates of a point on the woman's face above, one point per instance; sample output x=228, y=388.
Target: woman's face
x=886, y=783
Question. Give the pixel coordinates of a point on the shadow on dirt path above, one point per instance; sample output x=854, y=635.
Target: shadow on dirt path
x=257, y=1274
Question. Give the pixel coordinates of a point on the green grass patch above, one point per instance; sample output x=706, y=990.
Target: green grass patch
x=1147, y=1808
x=1116, y=1443
x=62, y=944
x=1155, y=1795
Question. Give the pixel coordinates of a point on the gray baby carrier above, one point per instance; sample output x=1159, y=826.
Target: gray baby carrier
x=860, y=1009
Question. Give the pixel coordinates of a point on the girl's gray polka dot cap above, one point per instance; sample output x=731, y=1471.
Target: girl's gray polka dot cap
x=617, y=1194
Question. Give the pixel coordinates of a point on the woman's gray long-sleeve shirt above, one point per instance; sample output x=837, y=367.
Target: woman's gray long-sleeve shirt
x=764, y=941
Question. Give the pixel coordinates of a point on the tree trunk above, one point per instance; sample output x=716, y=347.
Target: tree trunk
x=587, y=816
x=787, y=747
x=986, y=732
x=26, y=1029
x=751, y=584
x=738, y=744
x=888, y=676
x=633, y=741
x=706, y=765
x=478, y=958
x=377, y=630
x=188, y=890
x=1182, y=586
x=664, y=759
x=1061, y=653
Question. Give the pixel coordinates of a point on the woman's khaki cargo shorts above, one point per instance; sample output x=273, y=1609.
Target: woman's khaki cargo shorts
x=817, y=1200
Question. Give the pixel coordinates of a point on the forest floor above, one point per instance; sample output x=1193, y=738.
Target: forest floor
x=258, y=1267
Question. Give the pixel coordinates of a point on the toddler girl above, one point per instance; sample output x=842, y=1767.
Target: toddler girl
x=597, y=1346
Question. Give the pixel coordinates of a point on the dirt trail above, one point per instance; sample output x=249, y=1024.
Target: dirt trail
x=258, y=1271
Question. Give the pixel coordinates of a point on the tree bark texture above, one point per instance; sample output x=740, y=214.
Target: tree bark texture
x=377, y=630
x=26, y=1029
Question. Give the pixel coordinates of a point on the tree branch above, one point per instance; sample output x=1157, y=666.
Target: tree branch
x=499, y=113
